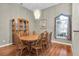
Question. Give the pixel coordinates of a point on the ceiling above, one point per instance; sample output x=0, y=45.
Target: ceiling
x=40, y=6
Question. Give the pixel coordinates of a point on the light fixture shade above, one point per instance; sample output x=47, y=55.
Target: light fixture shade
x=37, y=14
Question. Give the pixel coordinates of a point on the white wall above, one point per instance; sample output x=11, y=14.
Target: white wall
x=75, y=27
x=7, y=12
x=50, y=14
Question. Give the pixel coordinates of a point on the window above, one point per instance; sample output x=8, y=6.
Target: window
x=62, y=29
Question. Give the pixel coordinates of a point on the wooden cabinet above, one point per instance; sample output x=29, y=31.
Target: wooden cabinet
x=13, y=30
x=22, y=26
x=13, y=25
x=27, y=27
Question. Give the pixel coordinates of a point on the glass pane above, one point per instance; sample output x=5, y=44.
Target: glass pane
x=62, y=26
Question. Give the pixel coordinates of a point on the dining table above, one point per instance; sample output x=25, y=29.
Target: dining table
x=30, y=39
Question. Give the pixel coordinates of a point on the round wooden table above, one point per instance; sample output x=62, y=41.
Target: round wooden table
x=30, y=39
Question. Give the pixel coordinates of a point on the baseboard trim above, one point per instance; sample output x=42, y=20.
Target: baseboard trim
x=6, y=45
x=61, y=43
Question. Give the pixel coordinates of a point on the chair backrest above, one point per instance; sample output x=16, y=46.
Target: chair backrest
x=27, y=32
x=50, y=36
x=19, y=42
x=45, y=35
x=39, y=41
x=21, y=33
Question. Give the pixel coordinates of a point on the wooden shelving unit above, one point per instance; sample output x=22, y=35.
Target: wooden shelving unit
x=13, y=30
x=13, y=25
x=22, y=27
x=20, y=24
x=27, y=26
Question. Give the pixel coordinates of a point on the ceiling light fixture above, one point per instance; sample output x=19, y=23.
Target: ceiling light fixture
x=37, y=14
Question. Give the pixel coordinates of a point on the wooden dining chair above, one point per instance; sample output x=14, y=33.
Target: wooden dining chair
x=20, y=45
x=50, y=38
x=21, y=33
x=27, y=33
x=45, y=40
x=37, y=48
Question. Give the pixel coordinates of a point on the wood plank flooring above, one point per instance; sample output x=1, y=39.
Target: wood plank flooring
x=58, y=50
x=55, y=49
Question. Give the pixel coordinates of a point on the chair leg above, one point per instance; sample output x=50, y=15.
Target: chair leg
x=42, y=51
x=18, y=52
x=45, y=46
x=36, y=52
x=21, y=52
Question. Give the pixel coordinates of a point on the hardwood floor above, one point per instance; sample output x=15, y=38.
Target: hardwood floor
x=58, y=50
x=8, y=50
x=54, y=50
